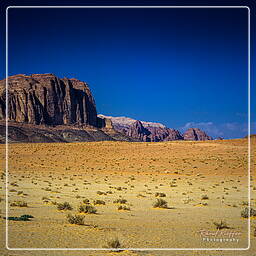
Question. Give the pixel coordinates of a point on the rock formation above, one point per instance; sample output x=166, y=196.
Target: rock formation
x=153, y=132
x=196, y=134
x=37, y=103
x=47, y=99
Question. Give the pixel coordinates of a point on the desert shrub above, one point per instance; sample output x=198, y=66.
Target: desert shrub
x=123, y=207
x=113, y=243
x=120, y=201
x=221, y=225
x=75, y=219
x=245, y=212
x=85, y=208
x=24, y=217
x=99, y=202
x=244, y=203
x=19, y=204
x=160, y=203
x=158, y=194
x=101, y=193
x=64, y=206
x=204, y=197
x=86, y=201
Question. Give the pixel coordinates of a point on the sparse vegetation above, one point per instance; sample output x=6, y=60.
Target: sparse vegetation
x=221, y=225
x=24, y=217
x=123, y=207
x=99, y=202
x=245, y=212
x=64, y=206
x=86, y=208
x=160, y=203
x=113, y=243
x=19, y=204
x=158, y=194
x=120, y=201
x=75, y=219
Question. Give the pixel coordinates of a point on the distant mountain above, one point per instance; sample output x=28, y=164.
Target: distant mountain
x=126, y=122
x=152, y=132
x=196, y=134
x=46, y=108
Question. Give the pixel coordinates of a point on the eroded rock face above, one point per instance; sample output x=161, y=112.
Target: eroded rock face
x=149, y=134
x=196, y=134
x=47, y=99
x=138, y=131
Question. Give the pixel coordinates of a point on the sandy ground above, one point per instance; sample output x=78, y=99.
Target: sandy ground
x=202, y=183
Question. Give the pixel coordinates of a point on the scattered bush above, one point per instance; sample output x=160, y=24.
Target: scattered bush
x=101, y=193
x=245, y=212
x=120, y=201
x=86, y=201
x=160, y=203
x=19, y=204
x=64, y=206
x=221, y=225
x=204, y=197
x=24, y=217
x=99, y=202
x=113, y=243
x=123, y=207
x=87, y=209
x=158, y=194
x=75, y=219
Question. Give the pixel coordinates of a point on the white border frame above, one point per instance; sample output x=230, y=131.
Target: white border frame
x=132, y=249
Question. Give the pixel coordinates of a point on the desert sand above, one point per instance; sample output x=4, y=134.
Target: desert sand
x=203, y=183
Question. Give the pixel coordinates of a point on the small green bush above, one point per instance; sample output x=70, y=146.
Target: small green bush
x=64, y=206
x=75, y=219
x=245, y=212
x=87, y=209
x=123, y=207
x=160, y=203
x=221, y=225
x=158, y=194
x=113, y=243
x=120, y=201
x=99, y=202
x=19, y=204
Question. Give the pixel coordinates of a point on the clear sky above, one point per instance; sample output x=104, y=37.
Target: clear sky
x=181, y=67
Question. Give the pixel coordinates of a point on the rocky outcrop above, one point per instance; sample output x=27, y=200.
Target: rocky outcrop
x=153, y=132
x=45, y=108
x=122, y=122
x=47, y=99
x=150, y=133
x=196, y=134
x=164, y=134
x=138, y=131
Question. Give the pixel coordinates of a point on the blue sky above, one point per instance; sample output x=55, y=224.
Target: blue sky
x=181, y=67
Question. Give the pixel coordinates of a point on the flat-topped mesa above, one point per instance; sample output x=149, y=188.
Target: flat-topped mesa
x=47, y=99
